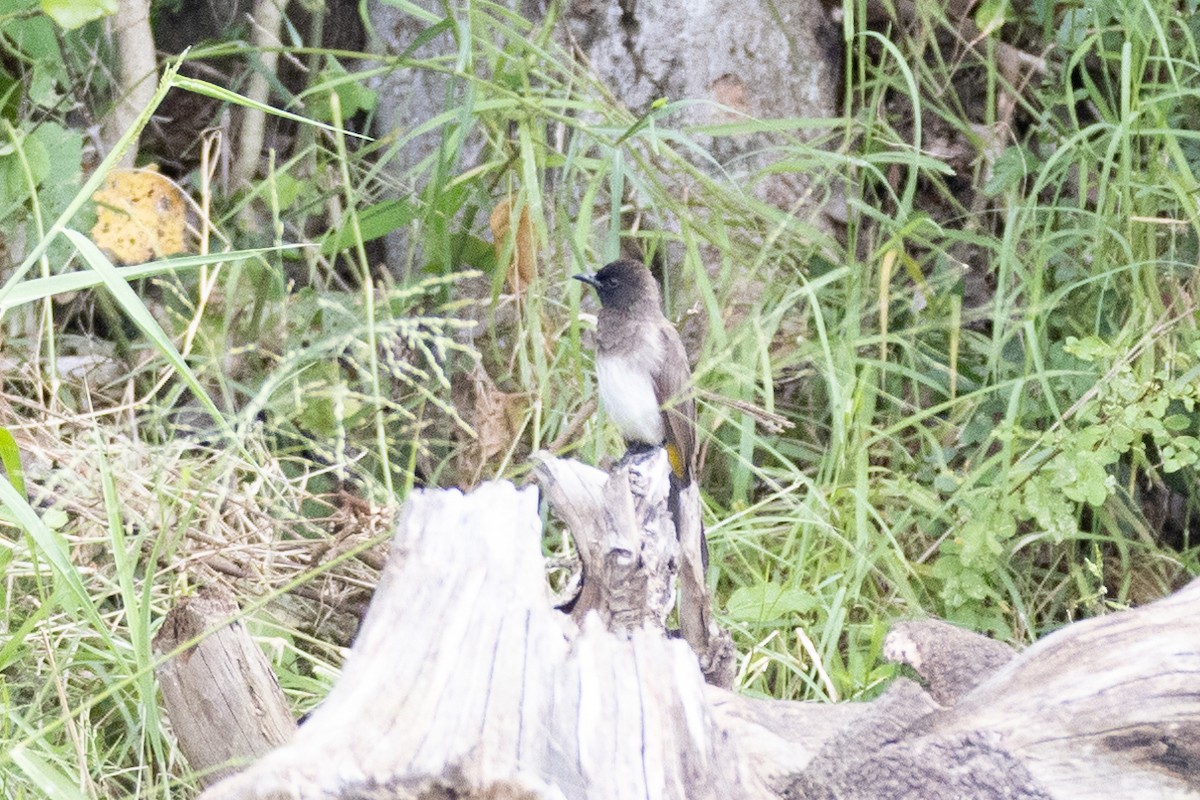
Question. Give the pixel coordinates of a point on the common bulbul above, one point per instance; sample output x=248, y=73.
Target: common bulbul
x=642, y=369
x=641, y=366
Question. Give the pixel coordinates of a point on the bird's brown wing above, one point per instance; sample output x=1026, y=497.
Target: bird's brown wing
x=673, y=389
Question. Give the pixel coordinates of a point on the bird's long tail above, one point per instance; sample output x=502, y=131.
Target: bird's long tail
x=675, y=497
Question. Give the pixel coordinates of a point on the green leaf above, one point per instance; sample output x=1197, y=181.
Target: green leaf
x=991, y=15
x=474, y=252
x=768, y=600
x=1120, y=440
x=981, y=618
x=14, y=191
x=946, y=483
x=1184, y=451
x=981, y=538
x=353, y=95
x=974, y=586
x=948, y=564
x=1050, y=509
x=10, y=459
x=33, y=35
x=1074, y=28
x=1157, y=405
x=288, y=189
x=1090, y=348
x=38, y=158
x=21, y=152
x=62, y=173
x=72, y=14
x=1082, y=479
x=1177, y=422
x=374, y=221
x=43, y=85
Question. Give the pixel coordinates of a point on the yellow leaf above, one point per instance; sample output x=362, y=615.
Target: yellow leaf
x=140, y=215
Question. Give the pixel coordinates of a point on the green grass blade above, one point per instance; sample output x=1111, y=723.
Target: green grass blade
x=133, y=306
x=41, y=288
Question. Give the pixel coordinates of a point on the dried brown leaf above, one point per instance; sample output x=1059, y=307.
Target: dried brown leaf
x=521, y=267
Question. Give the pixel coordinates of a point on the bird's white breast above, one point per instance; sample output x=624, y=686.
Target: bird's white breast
x=627, y=392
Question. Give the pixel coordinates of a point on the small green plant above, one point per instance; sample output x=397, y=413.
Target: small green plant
x=1148, y=424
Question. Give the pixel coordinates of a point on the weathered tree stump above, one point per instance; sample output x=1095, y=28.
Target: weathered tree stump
x=632, y=550
x=219, y=692
x=465, y=682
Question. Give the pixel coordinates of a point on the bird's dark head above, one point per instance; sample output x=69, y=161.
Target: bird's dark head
x=624, y=285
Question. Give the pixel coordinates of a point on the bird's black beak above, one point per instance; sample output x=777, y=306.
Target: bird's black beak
x=588, y=277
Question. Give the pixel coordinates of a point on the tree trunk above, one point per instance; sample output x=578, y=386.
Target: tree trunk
x=727, y=61
x=223, y=700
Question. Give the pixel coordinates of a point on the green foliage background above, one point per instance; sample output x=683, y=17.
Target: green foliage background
x=990, y=374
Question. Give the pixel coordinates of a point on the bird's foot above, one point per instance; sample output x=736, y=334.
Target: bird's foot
x=637, y=449
x=637, y=453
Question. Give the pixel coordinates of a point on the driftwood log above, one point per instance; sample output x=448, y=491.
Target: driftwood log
x=465, y=682
x=218, y=688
